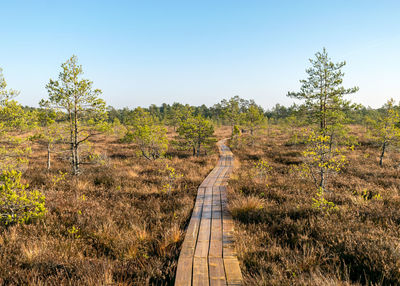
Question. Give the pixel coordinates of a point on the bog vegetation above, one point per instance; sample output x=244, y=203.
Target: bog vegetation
x=91, y=194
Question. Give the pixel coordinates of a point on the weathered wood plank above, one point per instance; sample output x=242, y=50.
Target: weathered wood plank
x=217, y=271
x=216, y=247
x=200, y=271
x=189, y=242
x=184, y=272
x=216, y=225
x=232, y=272
x=227, y=228
x=221, y=179
x=203, y=239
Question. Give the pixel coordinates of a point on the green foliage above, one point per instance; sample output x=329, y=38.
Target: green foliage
x=385, y=128
x=14, y=149
x=195, y=132
x=323, y=94
x=171, y=179
x=117, y=128
x=81, y=102
x=58, y=178
x=323, y=204
x=368, y=195
x=128, y=137
x=14, y=155
x=12, y=116
x=178, y=113
x=231, y=110
x=5, y=95
x=150, y=137
x=48, y=132
x=253, y=117
x=75, y=95
x=262, y=170
x=321, y=160
x=14, y=152
x=235, y=137
x=292, y=123
x=17, y=204
x=74, y=232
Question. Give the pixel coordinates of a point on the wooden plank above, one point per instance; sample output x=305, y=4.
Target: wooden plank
x=203, y=239
x=216, y=225
x=228, y=246
x=217, y=271
x=184, y=272
x=228, y=237
x=216, y=238
x=212, y=175
x=232, y=272
x=185, y=262
x=224, y=198
x=189, y=242
x=216, y=246
x=200, y=271
x=210, y=180
x=221, y=178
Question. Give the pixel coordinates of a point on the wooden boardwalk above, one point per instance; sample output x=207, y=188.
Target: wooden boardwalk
x=208, y=255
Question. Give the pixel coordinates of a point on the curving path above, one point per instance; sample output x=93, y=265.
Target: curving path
x=208, y=255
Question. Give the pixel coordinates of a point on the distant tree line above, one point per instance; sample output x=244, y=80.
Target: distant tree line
x=278, y=113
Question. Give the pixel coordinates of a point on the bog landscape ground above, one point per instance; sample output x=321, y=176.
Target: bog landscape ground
x=115, y=225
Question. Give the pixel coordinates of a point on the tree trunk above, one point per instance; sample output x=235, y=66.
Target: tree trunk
x=322, y=180
x=382, y=154
x=198, y=149
x=321, y=122
x=330, y=143
x=71, y=141
x=76, y=143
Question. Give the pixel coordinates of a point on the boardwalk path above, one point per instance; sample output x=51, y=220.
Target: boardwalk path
x=208, y=255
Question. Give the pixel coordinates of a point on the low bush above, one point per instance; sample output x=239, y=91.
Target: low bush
x=17, y=204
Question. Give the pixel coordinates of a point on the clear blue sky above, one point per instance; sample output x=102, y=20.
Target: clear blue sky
x=144, y=52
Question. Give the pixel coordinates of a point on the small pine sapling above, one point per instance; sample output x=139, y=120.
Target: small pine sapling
x=262, y=170
x=171, y=179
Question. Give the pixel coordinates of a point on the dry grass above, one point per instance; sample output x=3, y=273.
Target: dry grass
x=111, y=226
x=283, y=240
x=114, y=225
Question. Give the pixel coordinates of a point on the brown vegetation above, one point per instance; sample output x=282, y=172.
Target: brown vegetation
x=283, y=240
x=111, y=225
x=114, y=224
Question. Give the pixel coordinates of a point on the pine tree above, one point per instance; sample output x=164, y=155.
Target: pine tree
x=195, y=132
x=323, y=96
x=13, y=150
x=150, y=137
x=323, y=93
x=386, y=127
x=80, y=101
